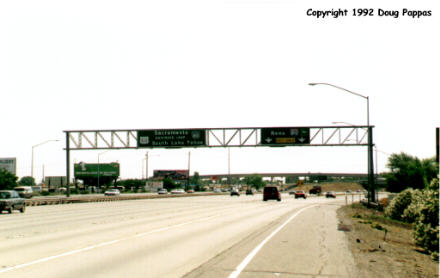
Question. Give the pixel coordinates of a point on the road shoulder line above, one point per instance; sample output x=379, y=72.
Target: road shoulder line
x=252, y=254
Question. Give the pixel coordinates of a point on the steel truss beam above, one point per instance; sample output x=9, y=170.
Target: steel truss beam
x=218, y=137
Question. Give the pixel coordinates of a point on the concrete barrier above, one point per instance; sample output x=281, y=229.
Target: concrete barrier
x=122, y=197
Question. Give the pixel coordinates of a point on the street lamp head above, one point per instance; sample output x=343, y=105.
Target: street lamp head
x=312, y=84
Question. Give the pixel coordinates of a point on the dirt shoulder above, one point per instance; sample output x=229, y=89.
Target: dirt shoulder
x=380, y=254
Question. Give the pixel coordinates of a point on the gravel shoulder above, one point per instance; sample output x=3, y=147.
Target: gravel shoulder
x=380, y=254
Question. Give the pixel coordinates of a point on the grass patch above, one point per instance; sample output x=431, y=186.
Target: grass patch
x=370, y=215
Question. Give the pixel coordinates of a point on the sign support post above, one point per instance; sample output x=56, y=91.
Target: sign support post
x=67, y=164
x=371, y=183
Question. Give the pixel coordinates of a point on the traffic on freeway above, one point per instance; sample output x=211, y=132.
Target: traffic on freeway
x=201, y=236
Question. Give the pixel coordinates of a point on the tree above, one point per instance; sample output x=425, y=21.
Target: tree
x=168, y=184
x=409, y=172
x=431, y=169
x=136, y=184
x=195, y=180
x=255, y=181
x=27, y=181
x=7, y=179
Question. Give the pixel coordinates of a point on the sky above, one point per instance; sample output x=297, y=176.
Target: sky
x=87, y=65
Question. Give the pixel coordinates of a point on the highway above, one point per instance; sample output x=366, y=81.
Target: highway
x=212, y=236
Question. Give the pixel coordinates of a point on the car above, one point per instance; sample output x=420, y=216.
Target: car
x=235, y=192
x=249, y=192
x=190, y=191
x=112, y=192
x=217, y=190
x=271, y=192
x=162, y=191
x=292, y=192
x=330, y=194
x=10, y=200
x=300, y=194
x=24, y=191
x=177, y=191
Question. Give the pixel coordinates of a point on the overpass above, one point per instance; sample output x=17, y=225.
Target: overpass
x=287, y=174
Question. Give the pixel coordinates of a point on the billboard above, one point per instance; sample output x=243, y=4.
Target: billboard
x=92, y=170
x=9, y=164
x=55, y=181
x=172, y=174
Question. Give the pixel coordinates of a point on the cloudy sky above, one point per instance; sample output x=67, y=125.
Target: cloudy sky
x=92, y=64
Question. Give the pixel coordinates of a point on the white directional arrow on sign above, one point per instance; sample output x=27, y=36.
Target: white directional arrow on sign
x=268, y=140
x=302, y=139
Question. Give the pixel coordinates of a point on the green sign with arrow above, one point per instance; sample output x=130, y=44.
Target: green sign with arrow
x=285, y=136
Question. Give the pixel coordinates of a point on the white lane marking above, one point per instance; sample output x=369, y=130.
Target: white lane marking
x=103, y=244
x=59, y=256
x=252, y=254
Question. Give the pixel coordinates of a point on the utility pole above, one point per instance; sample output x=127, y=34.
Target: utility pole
x=189, y=167
x=229, y=166
x=146, y=165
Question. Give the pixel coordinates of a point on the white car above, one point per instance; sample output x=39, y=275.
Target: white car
x=162, y=191
x=177, y=191
x=112, y=192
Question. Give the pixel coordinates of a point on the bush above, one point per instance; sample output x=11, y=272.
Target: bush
x=45, y=193
x=426, y=228
x=398, y=205
x=412, y=212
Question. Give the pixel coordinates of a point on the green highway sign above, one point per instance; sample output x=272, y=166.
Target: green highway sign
x=285, y=136
x=171, y=138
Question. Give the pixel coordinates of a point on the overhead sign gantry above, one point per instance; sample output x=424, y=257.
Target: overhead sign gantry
x=217, y=137
x=220, y=137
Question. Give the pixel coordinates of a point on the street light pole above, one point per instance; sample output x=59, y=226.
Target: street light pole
x=372, y=195
x=147, y=156
x=33, y=147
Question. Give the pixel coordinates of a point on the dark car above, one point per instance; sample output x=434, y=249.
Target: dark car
x=300, y=194
x=10, y=200
x=234, y=192
x=330, y=194
x=249, y=192
x=271, y=193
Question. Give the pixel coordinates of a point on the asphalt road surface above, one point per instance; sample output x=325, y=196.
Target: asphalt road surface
x=213, y=236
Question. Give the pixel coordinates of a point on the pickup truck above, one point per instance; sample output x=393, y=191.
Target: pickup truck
x=10, y=200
